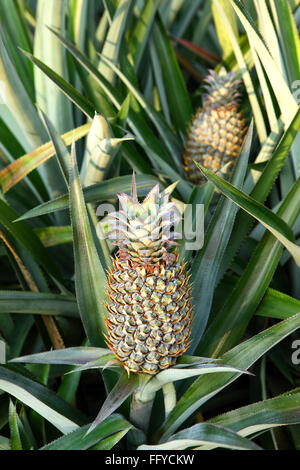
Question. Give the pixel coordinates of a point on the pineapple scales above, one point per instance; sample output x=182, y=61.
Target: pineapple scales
x=149, y=315
x=216, y=134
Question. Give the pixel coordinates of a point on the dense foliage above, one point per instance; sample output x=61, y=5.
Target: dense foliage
x=139, y=65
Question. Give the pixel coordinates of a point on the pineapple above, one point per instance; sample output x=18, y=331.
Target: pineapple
x=217, y=131
x=149, y=315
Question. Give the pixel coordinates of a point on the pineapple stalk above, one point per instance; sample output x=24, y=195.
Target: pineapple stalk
x=140, y=412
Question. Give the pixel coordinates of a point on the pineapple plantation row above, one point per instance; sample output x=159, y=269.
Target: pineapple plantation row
x=119, y=330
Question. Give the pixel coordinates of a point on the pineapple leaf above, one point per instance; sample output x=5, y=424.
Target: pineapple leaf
x=123, y=388
x=71, y=356
x=242, y=356
x=49, y=50
x=189, y=361
x=187, y=14
x=287, y=35
x=290, y=48
x=79, y=12
x=273, y=121
x=275, y=304
x=79, y=100
x=157, y=77
x=169, y=11
x=15, y=438
x=110, y=431
x=204, y=434
x=223, y=27
x=143, y=133
x=271, y=221
x=80, y=440
x=53, y=236
x=280, y=87
x=17, y=170
x=268, y=31
x=176, y=90
x=141, y=32
x=38, y=303
x=38, y=397
x=25, y=235
x=89, y=273
x=278, y=411
x=256, y=109
x=18, y=112
x=96, y=193
x=173, y=143
x=207, y=262
x=112, y=45
x=61, y=151
x=225, y=331
x=261, y=189
x=173, y=374
x=17, y=33
x=109, y=360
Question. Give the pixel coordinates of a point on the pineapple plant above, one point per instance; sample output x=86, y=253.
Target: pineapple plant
x=150, y=313
x=217, y=131
x=99, y=350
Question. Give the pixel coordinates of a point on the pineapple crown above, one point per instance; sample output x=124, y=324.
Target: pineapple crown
x=143, y=231
x=222, y=88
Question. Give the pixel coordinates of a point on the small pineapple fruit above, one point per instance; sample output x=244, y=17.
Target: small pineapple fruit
x=217, y=131
x=149, y=314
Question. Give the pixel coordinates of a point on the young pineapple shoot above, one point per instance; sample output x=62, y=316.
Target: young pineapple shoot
x=149, y=313
x=216, y=134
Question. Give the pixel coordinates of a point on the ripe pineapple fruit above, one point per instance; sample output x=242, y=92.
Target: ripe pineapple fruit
x=216, y=134
x=149, y=314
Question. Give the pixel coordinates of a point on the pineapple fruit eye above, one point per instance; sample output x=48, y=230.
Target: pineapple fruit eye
x=155, y=323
